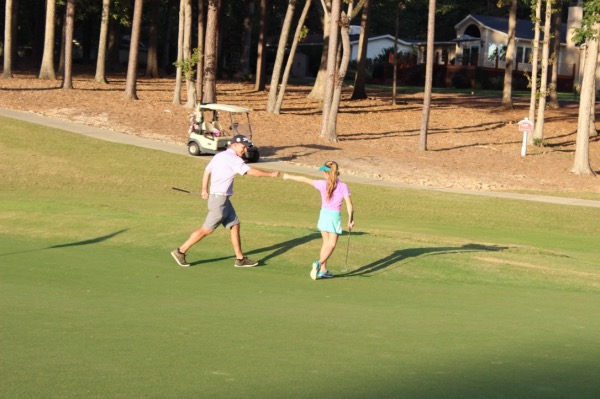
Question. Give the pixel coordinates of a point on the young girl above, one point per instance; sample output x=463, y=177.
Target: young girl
x=333, y=192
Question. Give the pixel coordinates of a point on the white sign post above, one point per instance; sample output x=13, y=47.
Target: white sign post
x=525, y=126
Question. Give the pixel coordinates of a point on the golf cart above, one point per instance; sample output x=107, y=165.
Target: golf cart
x=208, y=134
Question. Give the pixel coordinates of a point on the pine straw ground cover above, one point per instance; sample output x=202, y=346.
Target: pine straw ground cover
x=473, y=144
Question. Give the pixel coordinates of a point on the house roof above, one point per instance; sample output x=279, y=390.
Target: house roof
x=524, y=28
x=406, y=42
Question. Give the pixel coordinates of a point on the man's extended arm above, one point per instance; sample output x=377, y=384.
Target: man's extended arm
x=261, y=173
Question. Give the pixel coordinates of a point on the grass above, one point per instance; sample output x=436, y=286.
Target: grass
x=448, y=295
x=563, y=96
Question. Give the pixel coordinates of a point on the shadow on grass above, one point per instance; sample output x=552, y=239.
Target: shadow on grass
x=95, y=240
x=277, y=249
x=404, y=254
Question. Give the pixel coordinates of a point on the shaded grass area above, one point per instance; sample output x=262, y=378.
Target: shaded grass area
x=447, y=295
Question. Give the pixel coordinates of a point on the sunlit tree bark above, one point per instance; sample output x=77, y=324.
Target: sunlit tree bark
x=134, y=45
x=331, y=133
x=8, y=35
x=179, y=64
x=190, y=85
x=586, y=105
x=47, y=68
x=283, y=39
x=428, y=76
x=334, y=20
x=67, y=82
x=290, y=60
x=534, y=63
x=210, y=51
x=102, y=44
x=538, y=133
x=200, y=66
x=319, y=87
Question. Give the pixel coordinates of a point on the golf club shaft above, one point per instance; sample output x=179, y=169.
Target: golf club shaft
x=184, y=191
x=347, y=249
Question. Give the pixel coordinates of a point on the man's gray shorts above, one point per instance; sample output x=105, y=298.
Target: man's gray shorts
x=220, y=211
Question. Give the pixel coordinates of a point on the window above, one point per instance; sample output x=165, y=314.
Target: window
x=470, y=55
x=497, y=50
x=523, y=55
x=466, y=55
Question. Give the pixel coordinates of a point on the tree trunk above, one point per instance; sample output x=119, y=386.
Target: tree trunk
x=152, y=58
x=218, y=38
x=331, y=134
x=67, y=82
x=47, y=68
x=101, y=58
x=134, y=45
x=210, y=48
x=428, y=76
x=510, y=55
x=190, y=84
x=200, y=66
x=260, y=56
x=395, y=57
x=179, y=68
x=8, y=35
x=538, y=133
x=63, y=34
x=534, y=64
x=359, y=91
x=334, y=20
x=283, y=39
x=318, y=90
x=112, y=50
x=587, y=100
x=593, y=131
x=290, y=60
x=319, y=87
x=556, y=28
x=246, y=40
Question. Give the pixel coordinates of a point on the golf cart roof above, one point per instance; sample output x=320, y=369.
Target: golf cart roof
x=224, y=107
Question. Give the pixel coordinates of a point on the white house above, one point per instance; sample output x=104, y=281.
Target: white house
x=378, y=44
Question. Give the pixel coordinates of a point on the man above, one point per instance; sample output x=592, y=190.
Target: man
x=221, y=171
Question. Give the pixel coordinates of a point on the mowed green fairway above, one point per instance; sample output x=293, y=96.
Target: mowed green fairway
x=448, y=296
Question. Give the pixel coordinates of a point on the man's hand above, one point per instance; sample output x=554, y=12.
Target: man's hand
x=275, y=174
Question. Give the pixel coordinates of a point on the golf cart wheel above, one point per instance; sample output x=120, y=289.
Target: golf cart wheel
x=252, y=157
x=194, y=149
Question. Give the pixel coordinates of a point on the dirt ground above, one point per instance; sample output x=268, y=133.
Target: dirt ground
x=472, y=143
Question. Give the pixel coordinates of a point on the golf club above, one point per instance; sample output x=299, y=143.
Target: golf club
x=345, y=269
x=185, y=191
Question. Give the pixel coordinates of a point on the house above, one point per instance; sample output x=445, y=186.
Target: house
x=480, y=42
x=481, y=38
x=378, y=44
